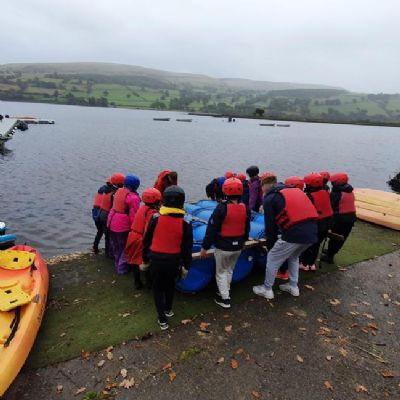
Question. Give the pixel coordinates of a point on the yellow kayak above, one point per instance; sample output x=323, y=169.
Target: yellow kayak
x=24, y=285
x=378, y=207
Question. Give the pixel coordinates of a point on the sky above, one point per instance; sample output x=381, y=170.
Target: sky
x=352, y=44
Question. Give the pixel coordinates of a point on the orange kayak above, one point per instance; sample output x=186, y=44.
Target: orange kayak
x=24, y=282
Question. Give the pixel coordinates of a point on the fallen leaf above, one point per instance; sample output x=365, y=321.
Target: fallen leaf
x=127, y=383
x=220, y=360
x=101, y=363
x=388, y=374
x=302, y=329
x=343, y=352
x=320, y=320
x=226, y=316
x=334, y=302
x=239, y=351
x=59, y=388
x=186, y=321
x=255, y=394
x=373, y=333
x=120, y=358
x=366, y=303
x=79, y=391
x=234, y=364
x=109, y=348
x=204, y=326
x=167, y=366
x=290, y=314
x=369, y=316
x=137, y=295
x=329, y=358
x=365, y=330
x=228, y=328
x=124, y=315
x=62, y=334
x=385, y=296
x=309, y=287
x=124, y=373
x=85, y=354
x=172, y=376
x=353, y=305
x=397, y=303
x=110, y=356
x=328, y=386
x=323, y=331
x=373, y=326
x=390, y=276
x=361, y=389
x=390, y=322
x=299, y=359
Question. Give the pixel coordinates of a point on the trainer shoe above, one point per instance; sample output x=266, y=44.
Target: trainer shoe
x=284, y=276
x=224, y=303
x=313, y=267
x=163, y=325
x=293, y=290
x=261, y=290
x=304, y=267
x=169, y=313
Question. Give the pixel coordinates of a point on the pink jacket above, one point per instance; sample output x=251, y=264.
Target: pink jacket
x=118, y=222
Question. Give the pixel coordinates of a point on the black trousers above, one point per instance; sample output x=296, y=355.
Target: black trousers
x=310, y=255
x=164, y=274
x=341, y=228
x=99, y=234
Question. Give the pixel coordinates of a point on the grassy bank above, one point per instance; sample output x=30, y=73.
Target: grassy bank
x=90, y=307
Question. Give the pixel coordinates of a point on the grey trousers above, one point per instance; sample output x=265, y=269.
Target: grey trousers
x=281, y=252
x=225, y=262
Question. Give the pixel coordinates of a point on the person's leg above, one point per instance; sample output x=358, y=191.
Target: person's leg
x=170, y=279
x=98, y=236
x=136, y=276
x=221, y=273
x=119, y=242
x=341, y=228
x=295, y=249
x=231, y=261
x=158, y=289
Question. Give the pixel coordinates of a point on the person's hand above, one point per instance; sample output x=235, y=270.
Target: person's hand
x=144, y=267
x=184, y=273
x=203, y=253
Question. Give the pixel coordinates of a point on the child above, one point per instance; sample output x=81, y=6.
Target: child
x=125, y=205
x=95, y=214
x=255, y=196
x=320, y=198
x=167, y=244
x=134, y=245
x=344, y=213
x=228, y=229
x=165, y=179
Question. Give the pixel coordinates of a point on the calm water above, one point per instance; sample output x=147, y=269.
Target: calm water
x=51, y=172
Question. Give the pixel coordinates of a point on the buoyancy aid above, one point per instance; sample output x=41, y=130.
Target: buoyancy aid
x=346, y=204
x=298, y=208
x=98, y=199
x=234, y=223
x=106, y=201
x=168, y=235
x=119, y=204
x=322, y=203
x=142, y=219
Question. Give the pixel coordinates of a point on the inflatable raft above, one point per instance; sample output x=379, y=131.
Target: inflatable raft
x=378, y=207
x=202, y=271
x=23, y=293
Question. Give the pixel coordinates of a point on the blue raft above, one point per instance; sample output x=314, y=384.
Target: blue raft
x=202, y=272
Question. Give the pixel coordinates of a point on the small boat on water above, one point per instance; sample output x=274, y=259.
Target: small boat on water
x=283, y=125
x=267, y=124
x=161, y=119
x=184, y=119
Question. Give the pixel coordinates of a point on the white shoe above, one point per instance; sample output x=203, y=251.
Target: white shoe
x=293, y=290
x=261, y=290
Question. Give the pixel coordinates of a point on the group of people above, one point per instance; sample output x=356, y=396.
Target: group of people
x=155, y=238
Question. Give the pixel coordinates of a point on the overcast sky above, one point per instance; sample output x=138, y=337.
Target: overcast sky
x=349, y=43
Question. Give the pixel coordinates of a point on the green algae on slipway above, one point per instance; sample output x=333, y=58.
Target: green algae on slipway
x=90, y=307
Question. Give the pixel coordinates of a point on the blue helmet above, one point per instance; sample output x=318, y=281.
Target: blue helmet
x=221, y=180
x=132, y=182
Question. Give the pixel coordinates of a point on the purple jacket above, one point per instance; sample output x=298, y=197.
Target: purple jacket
x=256, y=197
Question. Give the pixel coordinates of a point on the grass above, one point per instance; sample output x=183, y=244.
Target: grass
x=90, y=307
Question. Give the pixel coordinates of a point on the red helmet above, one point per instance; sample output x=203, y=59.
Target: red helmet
x=241, y=176
x=339, y=178
x=268, y=177
x=151, y=196
x=326, y=175
x=109, y=179
x=232, y=187
x=295, y=181
x=117, y=179
x=229, y=174
x=314, y=180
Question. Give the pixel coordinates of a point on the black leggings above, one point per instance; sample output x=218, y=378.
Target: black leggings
x=310, y=255
x=99, y=234
x=341, y=228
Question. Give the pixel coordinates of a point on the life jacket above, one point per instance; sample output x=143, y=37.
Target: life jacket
x=234, y=223
x=322, y=203
x=106, y=201
x=142, y=219
x=98, y=198
x=346, y=204
x=119, y=204
x=298, y=208
x=168, y=234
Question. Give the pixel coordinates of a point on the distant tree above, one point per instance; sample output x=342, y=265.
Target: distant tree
x=22, y=85
x=259, y=112
x=128, y=95
x=105, y=93
x=56, y=94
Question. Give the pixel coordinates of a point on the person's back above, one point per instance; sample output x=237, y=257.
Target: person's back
x=255, y=192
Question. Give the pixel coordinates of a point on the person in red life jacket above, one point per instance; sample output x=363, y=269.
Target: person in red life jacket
x=344, y=213
x=126, y=203
x=229, y=174
x=228, y=229
x=320, y=198
x=290, y=227
x=167, y=245
x=214, y=189
x=116, y=181
x=295, y=181
x=134, y=245
x=255, y=192
x=326, y=176
x=166, y=179
x=246, y=190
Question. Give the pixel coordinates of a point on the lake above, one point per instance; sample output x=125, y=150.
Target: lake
x=50, y=173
